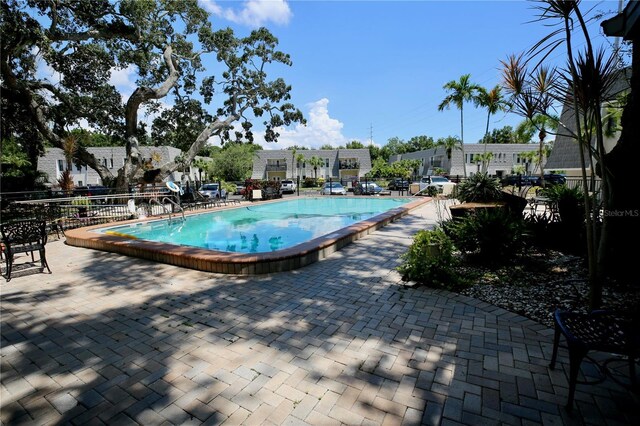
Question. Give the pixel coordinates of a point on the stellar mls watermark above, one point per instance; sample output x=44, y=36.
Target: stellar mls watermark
x=621, y=213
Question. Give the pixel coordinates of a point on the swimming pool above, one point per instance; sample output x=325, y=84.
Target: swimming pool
x=253, y=238
x=262, y=227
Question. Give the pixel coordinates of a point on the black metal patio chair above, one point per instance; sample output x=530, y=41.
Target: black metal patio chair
x=601, y=331
x=24, y=236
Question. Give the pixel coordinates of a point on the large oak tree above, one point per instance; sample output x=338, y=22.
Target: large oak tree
x=164, y=42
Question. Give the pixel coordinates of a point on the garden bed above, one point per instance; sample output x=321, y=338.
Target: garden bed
x=540, y=283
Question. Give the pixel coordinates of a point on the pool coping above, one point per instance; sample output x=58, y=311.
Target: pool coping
x=234, y=263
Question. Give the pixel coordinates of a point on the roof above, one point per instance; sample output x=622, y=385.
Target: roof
x=625, y=24
x=566, y=153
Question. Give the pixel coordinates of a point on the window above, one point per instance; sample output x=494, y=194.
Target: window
x=79, y=183
x=60, y=165
x=111, y=167
x=104, y=162
x=78, y=168
x=326, y=162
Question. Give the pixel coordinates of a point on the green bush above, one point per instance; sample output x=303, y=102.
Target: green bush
x=479, y=188
x=432, y=191
x=80, y=201
x=310, y=182
x=430, y=260
x=492, y=235
x=570, y=202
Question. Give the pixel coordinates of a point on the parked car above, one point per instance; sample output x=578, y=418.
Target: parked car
x=520, y=180
x=239, y=188
x=534, y=180
x=369, y=188
x=333, y=188
x=210, y=190
x=91, y=191
x=438, y=182
x=554, y=179
x=399, y=184
x=288, y=186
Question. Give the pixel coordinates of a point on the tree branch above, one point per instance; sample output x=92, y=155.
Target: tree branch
x=144, y=94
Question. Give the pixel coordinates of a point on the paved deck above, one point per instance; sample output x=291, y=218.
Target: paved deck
x=116, y=340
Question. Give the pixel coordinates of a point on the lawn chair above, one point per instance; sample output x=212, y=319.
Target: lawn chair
x=601, y=331
x=24, y=236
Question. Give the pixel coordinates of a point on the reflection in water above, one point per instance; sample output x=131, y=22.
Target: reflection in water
x=275, y=243
x=254, y=244
x=244, y=221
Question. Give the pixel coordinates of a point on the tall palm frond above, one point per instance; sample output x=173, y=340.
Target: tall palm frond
x=70, y=146
x=557, y=12
x=462, y=91
x=493, y=101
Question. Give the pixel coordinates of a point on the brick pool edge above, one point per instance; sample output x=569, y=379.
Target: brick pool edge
x=235, y=263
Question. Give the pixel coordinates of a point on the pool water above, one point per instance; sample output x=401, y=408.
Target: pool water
x=261, y=228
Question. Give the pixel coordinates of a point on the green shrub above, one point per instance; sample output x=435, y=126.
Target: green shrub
x=570, y=202
x=80, y=201
x=309, y=182
x=432, y=191
x=537, y=229
x=430, y=260
x=229, y=187
x=479, y=188
x=492, y=235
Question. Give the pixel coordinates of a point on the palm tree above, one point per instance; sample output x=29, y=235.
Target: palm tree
x=540, y=123
x=493, y=101
x=69, y=148
x=293, y=159
x=461, y=91
x=315, y=162
x=299, y=158
x=449, y=143
x=585, y=84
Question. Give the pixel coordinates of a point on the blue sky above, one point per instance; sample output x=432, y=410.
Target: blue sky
x=376, y=68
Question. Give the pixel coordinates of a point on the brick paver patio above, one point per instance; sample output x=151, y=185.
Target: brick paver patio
x=108, y=339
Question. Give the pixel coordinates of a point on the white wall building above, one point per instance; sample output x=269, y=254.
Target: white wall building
x=53, y=163
x=505, y=157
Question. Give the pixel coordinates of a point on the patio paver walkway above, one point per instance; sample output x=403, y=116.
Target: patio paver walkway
x=108, y=339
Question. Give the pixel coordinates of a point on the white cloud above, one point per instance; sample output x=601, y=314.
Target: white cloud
x=254, y=13
x=123, y=79
x=321, y=129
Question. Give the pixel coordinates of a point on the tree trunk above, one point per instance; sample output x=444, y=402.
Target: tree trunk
x=542, y=135
x=595, y=287
x=464, y=160
x=624, y=205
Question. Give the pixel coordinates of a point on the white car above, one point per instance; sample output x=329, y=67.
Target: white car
x=333, y=188
x=288, y=186
x=441, y=183
x=210, y=190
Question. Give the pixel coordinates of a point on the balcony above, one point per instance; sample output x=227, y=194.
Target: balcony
x=276, y=167
x=348, y=165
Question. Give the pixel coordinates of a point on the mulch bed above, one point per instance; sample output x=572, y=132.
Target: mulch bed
x=542, y=282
